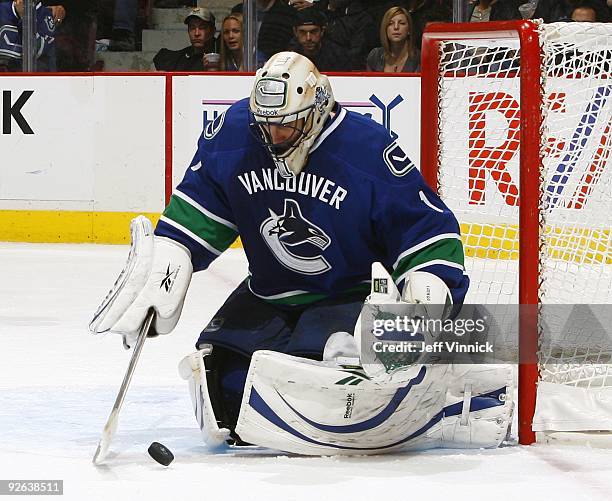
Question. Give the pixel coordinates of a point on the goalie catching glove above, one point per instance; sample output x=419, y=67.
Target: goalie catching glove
x=389, y=345
x=156, y=275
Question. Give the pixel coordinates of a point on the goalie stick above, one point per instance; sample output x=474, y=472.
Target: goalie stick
x=111, y=423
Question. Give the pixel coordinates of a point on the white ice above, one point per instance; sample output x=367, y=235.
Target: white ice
x=58, y=384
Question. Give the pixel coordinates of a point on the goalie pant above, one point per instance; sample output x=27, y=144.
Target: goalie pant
x=319, y=408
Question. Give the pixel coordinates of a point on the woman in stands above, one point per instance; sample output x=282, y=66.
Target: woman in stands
x=231, y=43
x=398, y=52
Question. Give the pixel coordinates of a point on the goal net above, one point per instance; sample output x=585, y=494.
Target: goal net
x=516, y=138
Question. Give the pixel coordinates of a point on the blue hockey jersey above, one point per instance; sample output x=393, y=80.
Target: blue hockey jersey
x=11, y=31
x=358, y=200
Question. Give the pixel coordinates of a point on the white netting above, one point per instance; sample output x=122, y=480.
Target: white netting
x=577, y=200
x=478, y=159
x=479, y=169
x=576, y=258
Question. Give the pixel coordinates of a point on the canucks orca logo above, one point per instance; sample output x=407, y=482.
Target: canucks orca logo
x=292, y=229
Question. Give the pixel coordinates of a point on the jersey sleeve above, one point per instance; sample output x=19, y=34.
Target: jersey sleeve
x=199, y=215
x=12, y=26
x=45, y=29
x=419, y=233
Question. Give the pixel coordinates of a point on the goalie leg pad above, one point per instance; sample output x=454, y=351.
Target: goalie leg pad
x=313, y=408
x=479, y=404
x=193, y=369
x=308, y=407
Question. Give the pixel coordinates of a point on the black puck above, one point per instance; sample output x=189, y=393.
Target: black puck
x=160, y=453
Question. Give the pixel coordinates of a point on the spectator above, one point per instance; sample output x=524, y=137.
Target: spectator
x=553, y=11
x=231, y=43
x=353, y=27
x=377, y=8
x=310, y=41
x=124, y=26
x=75, y=35
x=428, y=11
x=585, y=12
x=201, y=29
x=493, y=10
x=117, y=24
x=11, y=14
x=275, y=21
x=398, y=53
x=301, y=4
x=488, y=59
x=58, y=12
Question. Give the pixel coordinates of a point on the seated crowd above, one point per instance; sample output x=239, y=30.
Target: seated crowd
x=338, y=35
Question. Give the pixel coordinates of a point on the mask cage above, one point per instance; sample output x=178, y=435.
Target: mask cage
x=260, y=128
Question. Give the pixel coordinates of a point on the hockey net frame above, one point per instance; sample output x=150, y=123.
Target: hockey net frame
x=533, y=148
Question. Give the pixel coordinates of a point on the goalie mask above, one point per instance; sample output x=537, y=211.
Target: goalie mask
x=290, y=103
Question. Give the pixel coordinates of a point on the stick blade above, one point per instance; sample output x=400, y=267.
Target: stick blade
x=105, y=438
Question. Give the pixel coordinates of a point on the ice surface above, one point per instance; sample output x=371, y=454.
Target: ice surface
x=58, y=384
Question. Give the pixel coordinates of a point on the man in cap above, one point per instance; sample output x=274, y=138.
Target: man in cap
x=201, y=30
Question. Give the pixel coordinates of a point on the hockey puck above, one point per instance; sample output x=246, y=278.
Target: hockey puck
x=160, y=453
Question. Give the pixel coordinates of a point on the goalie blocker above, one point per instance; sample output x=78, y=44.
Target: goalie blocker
x=156, y=275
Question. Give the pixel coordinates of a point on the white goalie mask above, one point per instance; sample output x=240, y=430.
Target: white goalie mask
x=290, y=103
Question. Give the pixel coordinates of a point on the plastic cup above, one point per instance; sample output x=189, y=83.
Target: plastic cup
x=213, y=59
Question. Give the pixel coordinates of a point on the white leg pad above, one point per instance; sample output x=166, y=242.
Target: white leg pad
x=307, y=407
x=193, y=369
x=485, y=394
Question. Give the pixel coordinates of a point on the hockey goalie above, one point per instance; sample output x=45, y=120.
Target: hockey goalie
x=332, y=214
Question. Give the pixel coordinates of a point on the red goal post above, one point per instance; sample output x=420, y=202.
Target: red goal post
x=511, y=74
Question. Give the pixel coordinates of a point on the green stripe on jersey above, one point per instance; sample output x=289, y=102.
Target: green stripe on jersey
x=448, y=249
x=216, y=234
x=311, y=297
